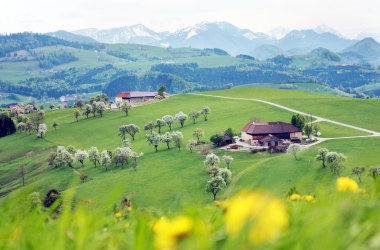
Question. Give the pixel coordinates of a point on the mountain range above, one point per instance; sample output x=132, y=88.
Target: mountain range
x=221, y=35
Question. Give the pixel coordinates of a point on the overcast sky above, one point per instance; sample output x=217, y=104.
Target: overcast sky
x=349, y=17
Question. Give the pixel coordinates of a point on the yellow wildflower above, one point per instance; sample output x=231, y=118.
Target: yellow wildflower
x=168, y=232
x=266, y=215
x=295, y=197
x=118, y=215
x=344, y=184
x=308, y=198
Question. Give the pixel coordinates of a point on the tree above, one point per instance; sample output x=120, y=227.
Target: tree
x=37, y=118
x=298, y=121
x=194, y=115
x=61, y=158
x=29, y=127
x=126, y=106
x=135, y=156
x=79, y=104
x=93, y=108
x=198, y=133
x=149, y=126
x=132, y=130
x=126, y=143
x=321, y=156
x=167, y=138
x=225, y=174
x=217, y=140
x=308, y=129
x=51, y=106
x=316, y=128
x=228, y=160
x=121, y=155
x=169, y=119
x=80, y=156
x=55, y=125
x=205, y=112
x=21, y=173
x=213, y=171
x=215, y=185
x=21, y=126
x=181, y=117
x=7, y=126
x=123, y=131
x=76, y=114
x=374, y=172
x=161, y=90
x=191, y=145
x=42, y=128
x=159, y=124
x=71, y=149
x=336, y=162
x=100, y=108
x=87, y=110
x=211, y=160
x=230, y=133
x=105, y=159
x=358, y=171
x=294, y=149
x=93, y=155
x=153, y=138
x=177, y=139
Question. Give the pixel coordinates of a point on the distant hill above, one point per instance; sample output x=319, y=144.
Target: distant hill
x=267, y=51
x=368, y=48
x=313, y=40
x=138, y=34
x=71, y=37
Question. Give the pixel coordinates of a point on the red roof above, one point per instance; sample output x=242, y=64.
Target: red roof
x=269, y=128
x=133, y=94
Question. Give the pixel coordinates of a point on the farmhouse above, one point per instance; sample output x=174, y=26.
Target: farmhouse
x=135, y=96
x=271, y=133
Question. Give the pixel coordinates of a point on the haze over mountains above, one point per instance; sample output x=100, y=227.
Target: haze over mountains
x=223, y=35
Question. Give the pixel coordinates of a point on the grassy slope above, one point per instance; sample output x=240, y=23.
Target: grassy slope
x=359, y=112
x=168, y=179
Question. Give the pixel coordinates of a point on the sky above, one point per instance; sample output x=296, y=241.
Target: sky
x=349, y=17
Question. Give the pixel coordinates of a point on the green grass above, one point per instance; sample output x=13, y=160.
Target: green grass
x=358, y=112
x=308, y=87
x=330, y=130
x=167, y=181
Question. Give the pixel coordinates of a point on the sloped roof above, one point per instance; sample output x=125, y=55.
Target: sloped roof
x=134, y=94
x=269, y=128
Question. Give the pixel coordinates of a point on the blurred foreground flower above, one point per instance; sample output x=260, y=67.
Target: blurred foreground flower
x=169, y=232
x=308, y=198
x=344, y=184
x=295, y=197
x=266, y=215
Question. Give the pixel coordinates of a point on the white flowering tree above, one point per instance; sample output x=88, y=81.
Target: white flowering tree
x=135, y=156
x=191, y=145
x=76, y=114
x=126, y=106
x=87, y=110
x=194, y=115
x=228, y=160
x=100, y=108
x=159, y=124
x=132, y=130
x=154, y=139
x=42, y=128
x=80, y=156
x=215, y=185
x=294, y=149
x=167, y=138
x=169, y=120
x=105, y=159
x=181, y=118
x=321, y=156
x=126, y=143
x=62, y=157
x=123, y=131
x=211, y=160
x=336, y=162
x=149, y=127
x=225, y=174
x=198, y=133
x=205, y=112
x=21, y=126
x=121, y=155
x=93, y=155
x=177, y=139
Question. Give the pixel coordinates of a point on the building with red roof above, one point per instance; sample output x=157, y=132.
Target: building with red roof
x=262, y=132
x=135, y=96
